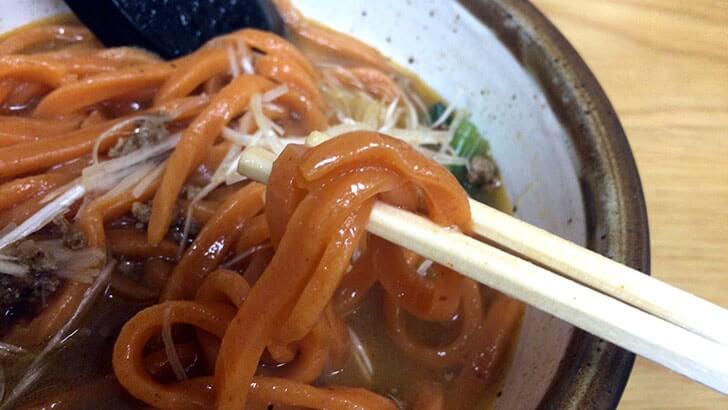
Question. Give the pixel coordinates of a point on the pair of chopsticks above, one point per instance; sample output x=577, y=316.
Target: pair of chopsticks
x=612, y=301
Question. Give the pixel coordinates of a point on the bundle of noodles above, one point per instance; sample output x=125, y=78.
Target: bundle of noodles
x=276, y=330
x=123, y=112
x=119, y=168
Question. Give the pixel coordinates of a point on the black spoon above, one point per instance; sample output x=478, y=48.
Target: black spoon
x=172, y=28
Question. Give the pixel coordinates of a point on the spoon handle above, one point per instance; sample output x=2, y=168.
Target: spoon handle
x=172, y=28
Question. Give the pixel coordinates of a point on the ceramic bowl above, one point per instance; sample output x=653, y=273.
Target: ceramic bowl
x=563, y=154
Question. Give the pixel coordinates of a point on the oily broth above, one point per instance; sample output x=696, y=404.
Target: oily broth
x=394, y=375
x=83, y=363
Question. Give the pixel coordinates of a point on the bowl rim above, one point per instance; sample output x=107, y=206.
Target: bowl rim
x=593, y=373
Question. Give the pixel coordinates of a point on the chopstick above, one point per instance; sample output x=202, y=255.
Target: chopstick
x=682, y=349
x=590, y=268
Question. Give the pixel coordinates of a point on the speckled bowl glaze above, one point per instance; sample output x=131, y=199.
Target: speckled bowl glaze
x=563, y=154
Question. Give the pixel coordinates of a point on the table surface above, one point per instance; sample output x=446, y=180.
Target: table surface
x=664, y=66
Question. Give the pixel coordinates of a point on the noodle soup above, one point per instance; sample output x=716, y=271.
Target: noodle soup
x=140, y=269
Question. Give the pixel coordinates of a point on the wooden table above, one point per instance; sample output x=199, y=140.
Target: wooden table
x=664, y=66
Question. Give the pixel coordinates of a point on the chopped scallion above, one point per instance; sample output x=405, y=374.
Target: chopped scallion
x=437, y=110
x=466, y=143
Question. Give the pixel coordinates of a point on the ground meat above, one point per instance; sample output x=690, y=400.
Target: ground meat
x=71, y=237
x=144, y=134
x=24, y=296
x=74, y=240
x=141, y=211
x=190, y=191
x=483, y=172
x=31, y=255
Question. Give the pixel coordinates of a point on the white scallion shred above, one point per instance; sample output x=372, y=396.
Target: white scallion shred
x=246, y=122
x=361, y=357
x=187, y=105
x=81, y=266
x=420, y=136
x=391, y=116
x=117, y=175
x=8, y=349
x=412, y=117
x=172, y=357
x=238, y=137
x=148, y=180
x=13, y=268
x=246, y=58
x=424, y=267
x=218, y=178
x=445, y=158
x=133, y=178
x=157, y=120
x=273, y=94
x=265, y=124
x=97, y=175
x=418, y=102
x=44, y=216
x=58, y=191
x=6, y=230
x=81, y=209
x=359, y=111
x=254, y=139
x=241, y=256
x=233, y=61
x=443, y=117
x=272, y=107
x=268, y=135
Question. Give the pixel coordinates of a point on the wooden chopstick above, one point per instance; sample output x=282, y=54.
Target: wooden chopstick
x=598, y=272
x=650, y=336
x=633, y=329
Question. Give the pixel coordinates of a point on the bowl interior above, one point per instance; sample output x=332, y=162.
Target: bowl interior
x=26, y=12
x=539, y=165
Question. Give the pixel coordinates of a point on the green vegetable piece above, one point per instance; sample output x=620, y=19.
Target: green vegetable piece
x=436, y=111
x=467, y=141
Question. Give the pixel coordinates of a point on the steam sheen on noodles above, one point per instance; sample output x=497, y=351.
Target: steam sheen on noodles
x=228, y=293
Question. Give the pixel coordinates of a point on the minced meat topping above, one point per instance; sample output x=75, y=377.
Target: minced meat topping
x=144, y=134
x=25, y=295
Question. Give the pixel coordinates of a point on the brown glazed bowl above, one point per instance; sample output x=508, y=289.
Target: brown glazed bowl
x=592, y=373
x=562, y=152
